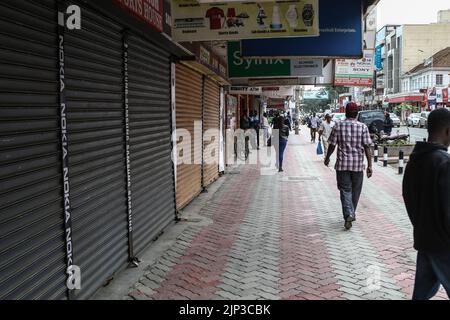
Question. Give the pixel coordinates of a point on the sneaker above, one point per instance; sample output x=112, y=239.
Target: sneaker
x=280, y=170
x=348, y=222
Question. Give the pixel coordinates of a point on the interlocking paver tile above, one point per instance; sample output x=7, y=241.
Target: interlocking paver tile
x=271, y=238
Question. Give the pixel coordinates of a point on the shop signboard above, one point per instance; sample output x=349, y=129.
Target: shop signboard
x=149, y=11
x=270, y=67
x=198, y=21
x=207, y=58
x=355, y=72
x=245, y=90
x=341, y=35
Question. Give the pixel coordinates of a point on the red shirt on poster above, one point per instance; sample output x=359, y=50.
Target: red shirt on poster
x=215, y=14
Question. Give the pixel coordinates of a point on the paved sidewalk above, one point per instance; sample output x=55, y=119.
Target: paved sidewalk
x=281, y=236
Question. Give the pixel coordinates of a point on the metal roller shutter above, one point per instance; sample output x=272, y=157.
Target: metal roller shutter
x=188, y=110
x=94, y=75
x=211, y=110
x=152, y=176
x=32, y=256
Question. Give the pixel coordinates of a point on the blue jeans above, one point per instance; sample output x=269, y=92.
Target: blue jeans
x=433, y=269
x=283, y=145
x=350, y=186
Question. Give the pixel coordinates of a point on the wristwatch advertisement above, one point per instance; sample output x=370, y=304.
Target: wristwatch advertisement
x=308, y=15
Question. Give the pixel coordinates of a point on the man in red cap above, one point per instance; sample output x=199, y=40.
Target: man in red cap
x=352, y=139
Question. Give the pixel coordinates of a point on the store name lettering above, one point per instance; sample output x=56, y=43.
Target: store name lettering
x=238, y=61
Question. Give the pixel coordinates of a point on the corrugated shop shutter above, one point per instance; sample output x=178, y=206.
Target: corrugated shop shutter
x=152, y=176
x=211, y=111
x=94, y=74
x=188, y=110
x=32, y=256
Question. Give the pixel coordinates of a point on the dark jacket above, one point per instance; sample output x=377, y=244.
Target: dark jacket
x=388, y=124
x=284, y=132
x=426, y=191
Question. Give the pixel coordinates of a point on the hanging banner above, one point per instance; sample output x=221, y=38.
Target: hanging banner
x=341, y=35
x=370, y=30
x=431, y=98
x=270, y=67
x=445, y=95
x=194, y=21
x=378, y=60
x=355, y=73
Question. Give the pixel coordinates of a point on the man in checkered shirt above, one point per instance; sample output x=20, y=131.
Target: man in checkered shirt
x=352, y=139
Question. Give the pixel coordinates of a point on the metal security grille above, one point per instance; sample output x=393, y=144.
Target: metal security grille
x=94, y=80
x=188, y=111
x=32, y=253
x=211, y=110
x=152, y=176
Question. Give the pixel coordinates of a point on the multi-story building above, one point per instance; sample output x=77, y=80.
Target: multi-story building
x=432, y=75
x=402, y=47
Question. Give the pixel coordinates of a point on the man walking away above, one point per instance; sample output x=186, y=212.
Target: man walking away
x=388, y=123
x=325, y=131
x=426, y=191
x=314, y=125
x=352, y=139
x=283, y=135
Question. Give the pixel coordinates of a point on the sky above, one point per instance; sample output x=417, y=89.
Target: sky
x=409, y=11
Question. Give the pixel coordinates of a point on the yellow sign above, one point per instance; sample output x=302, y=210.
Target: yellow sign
x=194, y=21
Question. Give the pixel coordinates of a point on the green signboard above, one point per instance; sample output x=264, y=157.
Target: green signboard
x=269, y=67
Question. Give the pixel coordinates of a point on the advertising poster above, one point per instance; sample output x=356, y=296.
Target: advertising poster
x=431, y=97
x=355, y=73
x=270, y=67
x=341, y=35
x=194, y=21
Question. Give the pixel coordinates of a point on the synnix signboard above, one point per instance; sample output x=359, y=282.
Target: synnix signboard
x=270, y=67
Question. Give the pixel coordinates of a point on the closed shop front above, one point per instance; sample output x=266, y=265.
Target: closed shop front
x=188, y=89
x=152, y=176
x=86, y=176
x=97, y=172
x=32, y=258
x=211, y=115
x=199, y=85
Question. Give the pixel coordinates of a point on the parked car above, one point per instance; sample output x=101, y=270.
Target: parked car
x=423, y=120
x=395, y=119
x=374, y=119
x=413, y=120
x=339, y=117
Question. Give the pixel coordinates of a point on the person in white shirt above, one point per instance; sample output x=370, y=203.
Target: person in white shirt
x=265, y=126
x=325, y=130
x=315, y=122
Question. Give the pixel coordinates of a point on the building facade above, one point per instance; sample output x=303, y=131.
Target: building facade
x=399, y=48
